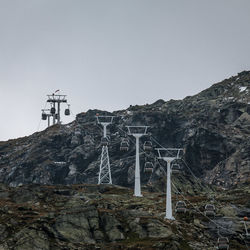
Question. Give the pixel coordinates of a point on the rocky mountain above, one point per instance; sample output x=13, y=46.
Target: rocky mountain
x=92, y=216
x=49, y=197
x=213, y=127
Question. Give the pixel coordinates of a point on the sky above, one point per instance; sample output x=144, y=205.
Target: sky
x=109, y=54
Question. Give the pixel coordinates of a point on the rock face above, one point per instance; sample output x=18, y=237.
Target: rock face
x=109, y=217
x=213, y=127
x=50, y=200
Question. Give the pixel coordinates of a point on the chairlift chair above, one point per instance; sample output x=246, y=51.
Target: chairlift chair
x=147, y=146
x=209, y=210
x=176, y=169
x=78, y=131
x=78, y=126
x=180, y=207
x=223, y=243
x=104, y=141
x=148, y=168
x=124, y=146
x=125, y=140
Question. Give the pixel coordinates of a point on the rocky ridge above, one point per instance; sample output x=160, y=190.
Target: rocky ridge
x=109, y=217
x=49, y=198
x=213, y=127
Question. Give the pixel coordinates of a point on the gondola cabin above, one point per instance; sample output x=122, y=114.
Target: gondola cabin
x=44, y=116
x=67, y=112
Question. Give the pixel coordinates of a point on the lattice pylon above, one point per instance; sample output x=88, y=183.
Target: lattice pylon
x=104, y=173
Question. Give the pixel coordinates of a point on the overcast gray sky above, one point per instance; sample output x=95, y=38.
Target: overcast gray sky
x=108, y=54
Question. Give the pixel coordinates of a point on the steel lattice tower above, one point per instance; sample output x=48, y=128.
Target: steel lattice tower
x=104, y=176
x=104, y=172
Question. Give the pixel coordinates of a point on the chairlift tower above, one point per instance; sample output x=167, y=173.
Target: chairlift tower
x=137, y=132
x=53, y=100
x=104, y=176
x=169, y=155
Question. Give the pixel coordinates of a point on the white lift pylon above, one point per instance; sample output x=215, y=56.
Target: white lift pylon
x=169, y=155
x=104, y=176
x=137, y=132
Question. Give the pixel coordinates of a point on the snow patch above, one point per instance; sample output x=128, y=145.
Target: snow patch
x=72, y=169
x=242, y=89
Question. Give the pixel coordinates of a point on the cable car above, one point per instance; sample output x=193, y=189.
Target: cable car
x=52, y=110
x=176, y=169
x=147, y=146
x=223, y=243
x=44, y=116
x=67, y=112
x=180, y=207
x=124, y=146
x=148, y=168
x=209, y=210
x=104, y=141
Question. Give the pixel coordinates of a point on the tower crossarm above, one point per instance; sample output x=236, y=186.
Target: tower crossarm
x=137, y=130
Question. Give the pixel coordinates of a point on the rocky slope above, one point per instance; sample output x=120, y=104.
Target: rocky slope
x=109, y=217
x=49, y=198
x=213, y=127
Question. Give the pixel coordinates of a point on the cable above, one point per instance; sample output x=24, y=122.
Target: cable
x=197, y=179
x=176, y=189
x=198, y=210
